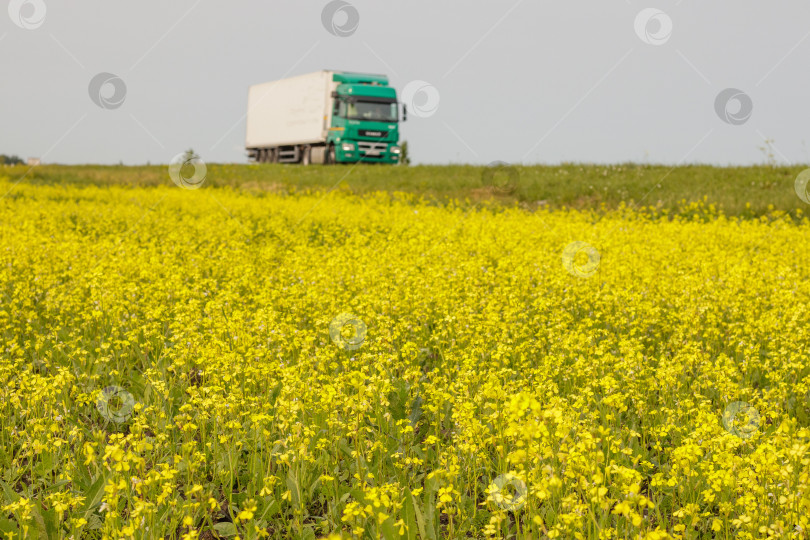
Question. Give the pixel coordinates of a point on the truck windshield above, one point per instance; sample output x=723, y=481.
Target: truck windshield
x=380, y=111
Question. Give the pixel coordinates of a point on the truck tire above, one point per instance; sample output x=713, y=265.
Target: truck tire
x=330, y=155
x=306, y=157
x=317, y=155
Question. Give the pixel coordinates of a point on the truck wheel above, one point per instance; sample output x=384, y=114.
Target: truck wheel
x=330, y=155
x=306, y=157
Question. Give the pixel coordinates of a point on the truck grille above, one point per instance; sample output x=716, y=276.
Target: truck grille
x=372, y=133
x=371, y=147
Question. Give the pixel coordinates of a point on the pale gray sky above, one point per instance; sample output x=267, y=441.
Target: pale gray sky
x=522, y=81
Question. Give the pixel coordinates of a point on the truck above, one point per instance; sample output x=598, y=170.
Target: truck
x=326, y=117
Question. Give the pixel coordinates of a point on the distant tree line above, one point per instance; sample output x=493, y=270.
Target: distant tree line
x=10, y=160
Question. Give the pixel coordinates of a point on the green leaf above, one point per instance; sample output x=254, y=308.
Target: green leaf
x=8, y=529
x=225, y=529
x=420, y=520
x=92, y=498
x=344, y=447
x=163, y=515
x=275, y=392
x=10, y=494
x=398, y=400
x=46, y=464
x=94, y=522
x=39, y=522
x=270, y=510
x=416, y=411
x=51, y=521
x=313, y=486
x=387, y=529
x=430, y=508
x=309, y=533
x=82, y=479
x=410, y=517
x=292, y=485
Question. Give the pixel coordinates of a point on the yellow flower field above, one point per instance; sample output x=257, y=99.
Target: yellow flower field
x=214, y=362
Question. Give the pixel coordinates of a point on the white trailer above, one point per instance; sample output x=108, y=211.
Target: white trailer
x=288, y=120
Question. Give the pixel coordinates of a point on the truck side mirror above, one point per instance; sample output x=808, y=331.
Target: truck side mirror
x=404, y=113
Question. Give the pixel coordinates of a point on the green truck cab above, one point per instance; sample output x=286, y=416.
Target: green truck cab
x=365, y=120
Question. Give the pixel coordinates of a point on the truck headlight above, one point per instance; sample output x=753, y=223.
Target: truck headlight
x=348, y=147
x=396, y=150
